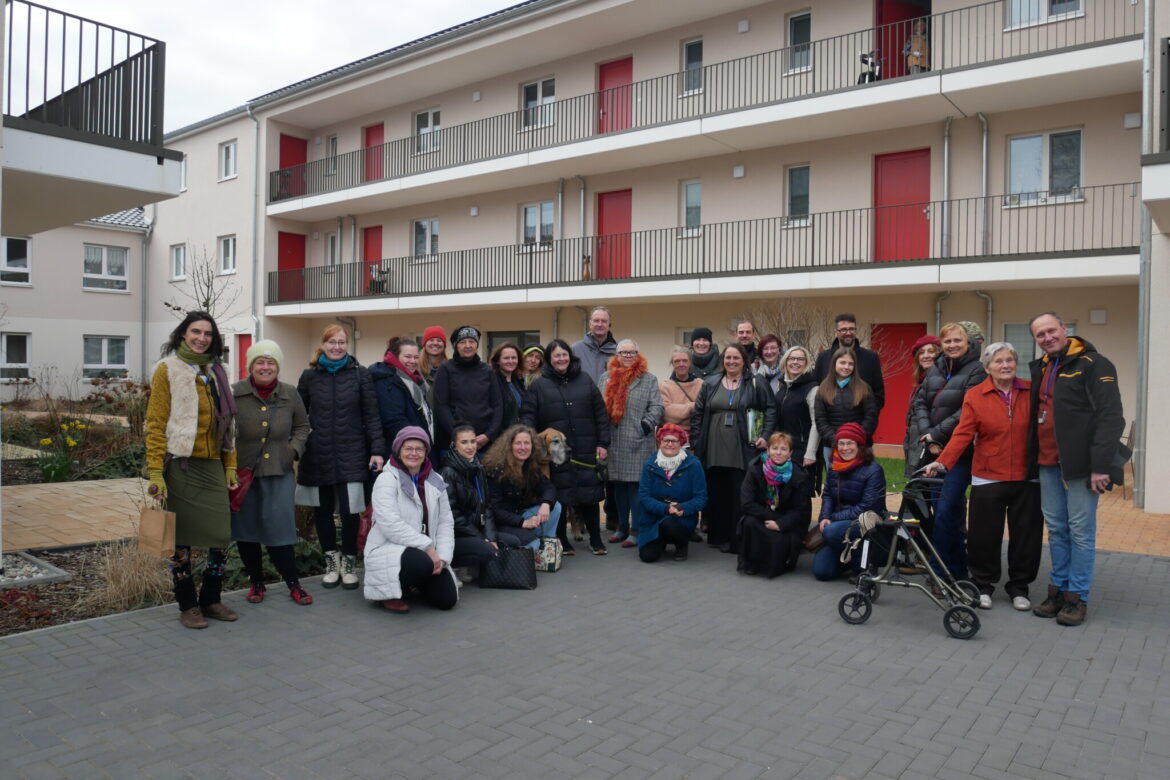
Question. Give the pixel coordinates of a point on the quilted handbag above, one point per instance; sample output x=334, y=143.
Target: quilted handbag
x=548, y=556
x=513, y=568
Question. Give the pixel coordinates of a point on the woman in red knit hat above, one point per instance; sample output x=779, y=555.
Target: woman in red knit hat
x=855, y=485
x=434, y=353
x=924, y=351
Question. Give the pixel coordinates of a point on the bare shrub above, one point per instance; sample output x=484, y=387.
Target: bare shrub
x=130, y=579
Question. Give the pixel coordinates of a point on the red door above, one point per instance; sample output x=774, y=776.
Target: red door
x=294, y=153
x=901, y=199
x=892, y=342
x=290, y=265
x=372, y=139
x=243, y=344
x=615, y=95
x=613, y=234
x=372, y=257
x=894, y=19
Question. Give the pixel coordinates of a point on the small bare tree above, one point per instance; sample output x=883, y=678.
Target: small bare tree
x=206, y=289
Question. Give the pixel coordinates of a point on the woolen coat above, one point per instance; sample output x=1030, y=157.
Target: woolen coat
x=346, y=425
x=270, y=434
x=678, y=400
x=759, y=398
x=687, y=486
x=631, y=441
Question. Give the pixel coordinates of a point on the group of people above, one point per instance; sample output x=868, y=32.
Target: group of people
x=457, y=457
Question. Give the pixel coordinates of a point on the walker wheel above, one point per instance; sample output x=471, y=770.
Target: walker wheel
x=866, y=585
x=855, y=608
x=961, y=622
x=969, y=590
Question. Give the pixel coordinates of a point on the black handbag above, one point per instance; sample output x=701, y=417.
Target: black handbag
x=513, y=568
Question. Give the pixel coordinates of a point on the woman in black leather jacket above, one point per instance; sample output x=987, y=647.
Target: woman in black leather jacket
x=462, y=470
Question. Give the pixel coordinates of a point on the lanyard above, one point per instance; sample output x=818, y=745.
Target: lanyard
x=731, y=394
x=1050, y=380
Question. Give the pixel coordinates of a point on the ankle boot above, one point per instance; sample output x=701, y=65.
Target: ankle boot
x=332, y=576
x=349, y=579
x=1073, y=612
x=1051, y=605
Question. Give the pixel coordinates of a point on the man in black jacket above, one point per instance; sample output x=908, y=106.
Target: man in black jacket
x=1073, y=438
x=466, y=389
x=869, y=365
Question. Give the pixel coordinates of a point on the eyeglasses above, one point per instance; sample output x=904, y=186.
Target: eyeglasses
x=628, y=353
x=336, y=343
x=414, y=450
x=671, y=441
x=797, y=359
x=847, y=330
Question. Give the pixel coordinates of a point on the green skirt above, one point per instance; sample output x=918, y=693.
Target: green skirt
x=197, y=494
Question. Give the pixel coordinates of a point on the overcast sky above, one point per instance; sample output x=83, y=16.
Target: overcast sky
x=221, y=53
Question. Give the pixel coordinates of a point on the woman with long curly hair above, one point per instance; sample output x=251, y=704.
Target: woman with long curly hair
x=522, y=500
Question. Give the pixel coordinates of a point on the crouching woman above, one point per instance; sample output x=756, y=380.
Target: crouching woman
x=672, y=492
x=776, y=505
x=413, y=536
x=855, y=484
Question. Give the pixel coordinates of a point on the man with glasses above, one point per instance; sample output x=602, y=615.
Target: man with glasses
x=869, y=365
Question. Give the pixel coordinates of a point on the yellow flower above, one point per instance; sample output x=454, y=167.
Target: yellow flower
x=64, y=427
x=81, y=426
x=70, y=442
x=46, y=442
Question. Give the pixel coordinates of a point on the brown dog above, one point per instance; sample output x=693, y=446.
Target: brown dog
x=558, y=453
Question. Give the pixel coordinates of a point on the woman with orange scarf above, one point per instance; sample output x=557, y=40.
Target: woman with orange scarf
x=635, y=410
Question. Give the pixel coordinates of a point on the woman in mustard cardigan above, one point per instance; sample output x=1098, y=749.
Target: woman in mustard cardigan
x=191, y=459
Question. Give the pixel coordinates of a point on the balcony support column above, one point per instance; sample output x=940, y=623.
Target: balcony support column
x=1144, y=262
x=946, y=194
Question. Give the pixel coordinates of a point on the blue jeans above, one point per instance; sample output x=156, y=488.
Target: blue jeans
x=625, y=499
x=548, y=528
x=950, y=519
x=826, y=563
x=1070, y=514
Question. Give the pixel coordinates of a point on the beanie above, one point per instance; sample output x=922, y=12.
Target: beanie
x=700, y=333
x=435, y=332
x=534, y=348
x=465, y=332
x=922, y=342
x=264, y=348
x=674, y=430
x=410, y=432
x=974, y=332
x=853, y=432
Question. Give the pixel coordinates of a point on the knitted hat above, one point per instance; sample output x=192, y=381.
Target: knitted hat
x=465, y=332
x=700, y=333
x=534, y=348
x=853, y=432
x=673, y=430
x=974, y=332
x=410, y=432
x=267, y=348
x=435, y=332
x=922, y=342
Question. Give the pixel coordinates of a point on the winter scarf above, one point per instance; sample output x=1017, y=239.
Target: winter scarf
x=392, y=360
x=332, y=366
x=264, y=391
x=841, y=466
x=702, y=361
x=221, y=391
x=617, y=385
x=669, y=465
x=775, y=477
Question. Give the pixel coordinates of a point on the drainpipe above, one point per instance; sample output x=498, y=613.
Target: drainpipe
x=352, y=238
x=584, y=320
x=1143, y=374
x=560, y=245
x=145, y=285
x=256, y=264
x=340, y=226
x=990, y=313
x=938, y=302
x=581, y=226
x=983, y=234
x=946, y=193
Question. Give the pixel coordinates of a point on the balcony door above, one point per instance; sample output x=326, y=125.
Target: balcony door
x=615, y=95
x=290, y=263
x=372, y=139
x=894, y=20
x=372, y=258
x=892, y=342
x=613, y=234
x=294, y=153
x=243, y=344
x=901, y=199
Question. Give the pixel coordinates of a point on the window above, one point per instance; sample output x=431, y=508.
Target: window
x=1024, y=13
x=14, y=265
x=799, y=46
x=536, y=224
x=426, y=237
x=690, y=207
x=227, y=254
x=536, y=100
x=228, y=166
x=104, y=357
x=179, y=261
x=183, y=174
x=330, y=155
x=1044, y=167
x=14, y=355
x=105, y=268
x=692, y=66
x=523, y=338
x=332, y=249
x=426, y=131
x=1019, y=335
x=797, y=213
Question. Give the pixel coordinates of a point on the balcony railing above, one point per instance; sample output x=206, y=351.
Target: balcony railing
x=1083, y=221
x=963, y=38
x=70, y=76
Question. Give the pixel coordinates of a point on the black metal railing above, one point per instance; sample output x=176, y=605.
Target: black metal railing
x=72, y=76
x=954, y=40
x=1085, y=220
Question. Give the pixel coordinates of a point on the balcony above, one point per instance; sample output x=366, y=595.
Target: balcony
x=999, y=32
x=961, y=235
x=83, y=119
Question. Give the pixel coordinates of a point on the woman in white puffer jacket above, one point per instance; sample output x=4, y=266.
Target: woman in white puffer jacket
x=413, y=535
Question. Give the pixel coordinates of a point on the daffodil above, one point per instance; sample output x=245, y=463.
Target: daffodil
x=69, y=440
x=46, y=442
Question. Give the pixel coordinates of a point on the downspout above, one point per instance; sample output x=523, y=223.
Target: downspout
x=340, y=244
x=983, y=234
x=990, y=312
x=145, y=285
x=584, y=320
x=560, y=245
x=256, y=265
x=581, y=224
x=1144, y=260
x=946, y=193
x=556, y=330
x=353, y=256
x=938, y=302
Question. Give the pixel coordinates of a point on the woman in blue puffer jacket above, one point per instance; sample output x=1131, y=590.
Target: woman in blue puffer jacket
x=855, y=484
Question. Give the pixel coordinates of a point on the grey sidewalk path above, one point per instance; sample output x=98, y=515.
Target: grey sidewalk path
x=611, y=668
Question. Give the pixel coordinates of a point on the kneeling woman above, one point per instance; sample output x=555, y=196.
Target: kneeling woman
x=672, y=491
x=776, y=505
x=522, y=500
x=413, y=537
x=855, y=484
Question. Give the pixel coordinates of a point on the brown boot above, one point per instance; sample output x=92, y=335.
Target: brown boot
x=192, y=618
x=1051, y=605
x=1074, y=611
x=218, y=611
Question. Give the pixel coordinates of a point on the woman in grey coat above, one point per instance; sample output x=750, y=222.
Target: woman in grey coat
x=634, y=406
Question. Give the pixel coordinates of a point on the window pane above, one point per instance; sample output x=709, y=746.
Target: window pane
x=1024, y=164
x=546, y=221
x=116, y=261
x=15, y=349
x=1064, y=168
x=434, y=236
x=530, y=95
x=116, y=352
x=93, y=259
x=693, y=65
x=16, y=252
x=529, y=225
x=799, y=35
x=694, y=204
x=548, y=89
x=1024, y=12
x=1018, y=335
x=798, y=191
x=422, y=122
x=92, y=351
x=1064, y=6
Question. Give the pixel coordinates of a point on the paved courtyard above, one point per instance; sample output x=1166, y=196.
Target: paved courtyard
x=611, y=668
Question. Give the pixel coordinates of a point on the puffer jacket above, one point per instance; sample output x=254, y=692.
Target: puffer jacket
x=573, y=405
x=346, y=425
x=759, y=398
x=632, y=440
x=466, y=389
x=830, y=417
x=869, y=368
x=939, y=401
x=469, y=500
x=687, y=487
x=508, y=501
x=397, y=405
x=794, y=417
x=849, y=493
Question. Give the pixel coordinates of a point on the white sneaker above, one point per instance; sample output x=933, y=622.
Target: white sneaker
x=332, y=576
x=984, y=601
x=1021, y=603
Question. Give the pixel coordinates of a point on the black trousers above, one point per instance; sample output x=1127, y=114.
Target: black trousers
x=416, y=571
x=331, y=495
x=670, y=531
x=1020, y=502
x=282, y=558
x=591, y=516
x=722, y=512
x=472, y=551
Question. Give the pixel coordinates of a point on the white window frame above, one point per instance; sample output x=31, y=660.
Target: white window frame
x=332, y=250
x=691, y=80
x=5, y=268
x=543, y=112
x=791, y=55
x=226, y=257
x=331, y=154
x=178, y=255
x=686, y=230
x=1044, y=15
x=183, y=174
x=5, y=366
x=1045, y=197
x=427, y=141
x=228, y=160
x=105, y=369
x=105, y=273
x=539, y=243
x=796, y=220
x=433, y=233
